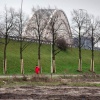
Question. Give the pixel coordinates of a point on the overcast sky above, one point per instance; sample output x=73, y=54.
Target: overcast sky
x=92, y=6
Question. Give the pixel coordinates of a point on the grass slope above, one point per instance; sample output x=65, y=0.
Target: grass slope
x=66, y=62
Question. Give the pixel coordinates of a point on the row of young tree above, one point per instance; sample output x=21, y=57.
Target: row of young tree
x=13, y=24
x=83, y=24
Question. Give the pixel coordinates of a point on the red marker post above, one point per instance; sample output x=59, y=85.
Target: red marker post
x=37, y=69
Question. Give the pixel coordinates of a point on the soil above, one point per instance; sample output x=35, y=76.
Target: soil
x=50, y=93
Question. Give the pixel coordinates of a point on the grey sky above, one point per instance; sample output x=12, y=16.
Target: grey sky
x=92, y=6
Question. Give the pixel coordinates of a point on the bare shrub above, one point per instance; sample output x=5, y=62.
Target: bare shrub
x=61, y=44
x=37, y=78
x=15, y=78
x=24, y=78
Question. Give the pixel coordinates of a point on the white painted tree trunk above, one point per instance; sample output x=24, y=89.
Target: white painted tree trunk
x=80, y=65
x=5, y=66
x=51, y=68
x=22, y=67
x=39, y=65
x=54, y=66
x=92, y=67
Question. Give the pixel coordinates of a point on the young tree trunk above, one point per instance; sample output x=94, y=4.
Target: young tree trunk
x=4, y=66
x=40, y=66
x=38, y=62
x=92, y=65
x=22, y=67
x=5, y=60
x=39, y=55
x=53, y=60
x=53, y=65
x=21, y=59
x=80, y=57
x=80, y=61
x=53, y=52
x=80, y=65
x=92, y=51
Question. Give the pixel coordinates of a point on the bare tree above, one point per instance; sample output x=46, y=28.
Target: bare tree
x=21, y=21
x=61, y=44
x=58, y=31
x=6, y=29
x=47, y=24
x=80, y=20
x=94, y=33
x=36, y=27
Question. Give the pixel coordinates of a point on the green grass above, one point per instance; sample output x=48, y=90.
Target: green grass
x=66, y=62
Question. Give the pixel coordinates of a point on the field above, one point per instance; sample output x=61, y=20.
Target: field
x=66, y=62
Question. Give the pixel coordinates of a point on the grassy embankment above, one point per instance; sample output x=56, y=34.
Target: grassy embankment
x=65, y=61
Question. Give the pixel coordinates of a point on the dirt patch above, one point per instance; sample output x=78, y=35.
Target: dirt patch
x=50, y=93
x=87, y=87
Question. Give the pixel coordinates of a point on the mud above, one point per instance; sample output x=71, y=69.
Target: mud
x=50, y=93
